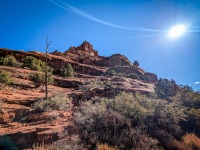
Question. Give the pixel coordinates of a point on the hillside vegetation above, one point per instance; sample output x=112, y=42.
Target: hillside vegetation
x=94, y=102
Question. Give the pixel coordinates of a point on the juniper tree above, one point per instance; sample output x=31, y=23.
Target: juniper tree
x=67, y=70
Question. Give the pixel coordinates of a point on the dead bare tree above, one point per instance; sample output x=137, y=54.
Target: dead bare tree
x=46, y=68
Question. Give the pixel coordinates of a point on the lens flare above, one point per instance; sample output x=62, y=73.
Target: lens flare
x=177, y=31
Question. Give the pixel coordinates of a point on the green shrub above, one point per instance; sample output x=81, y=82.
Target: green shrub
x=67, y=70
x=165, y=88
x=28, y=60
x=108, y=120
x=192, y=123
x=38, y=79
x=134, y=76
x=92, y=85
x=1, y=60
x=5, y=77
x=34, y=64
x=9, y=61
x=117, y=72
x=112, y=72
x=58, y=101
x=191, y=101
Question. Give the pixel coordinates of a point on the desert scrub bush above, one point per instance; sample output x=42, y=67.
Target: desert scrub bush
x=192, y=123
x=167, y=117
x=191, y=101
x=92, y=85
x=9, y=61
x=165, y=88
x=58, y=101
x=52, y=115
x=127, y=112
x=66, y=145
x=5, y=77
x=117, y=72
x=34, y=64
x=112, y=72
x=38, y=79
x=98, y=123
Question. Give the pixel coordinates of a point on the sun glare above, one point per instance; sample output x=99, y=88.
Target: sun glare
x=177, y=31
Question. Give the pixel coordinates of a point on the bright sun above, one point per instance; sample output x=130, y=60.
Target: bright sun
x=177, y=31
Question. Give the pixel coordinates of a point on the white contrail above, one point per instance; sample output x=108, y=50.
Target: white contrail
x=72, y=9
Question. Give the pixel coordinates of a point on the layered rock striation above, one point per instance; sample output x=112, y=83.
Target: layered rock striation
x=85, y=60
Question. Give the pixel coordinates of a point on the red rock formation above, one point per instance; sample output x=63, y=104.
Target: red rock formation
x=84, y=49
x=57, y=53
x=117, y=60
x=84, y=60
x=152, y=77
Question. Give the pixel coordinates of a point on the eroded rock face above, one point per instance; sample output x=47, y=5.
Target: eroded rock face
x=84, y=49
x=85, y=60
x=67, y=83
x=88, y=48
x=117, y=60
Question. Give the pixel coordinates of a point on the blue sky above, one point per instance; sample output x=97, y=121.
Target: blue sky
x=137, y=29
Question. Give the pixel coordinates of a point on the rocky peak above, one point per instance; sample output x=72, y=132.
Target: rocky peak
x=84, y=49
x=86, y=46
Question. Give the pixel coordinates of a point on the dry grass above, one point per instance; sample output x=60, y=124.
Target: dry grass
x=37, y=146
x=105, y=147
x=189, y=142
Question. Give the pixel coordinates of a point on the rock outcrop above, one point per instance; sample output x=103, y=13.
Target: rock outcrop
x=136, y=63
x=84, y=60
x=152, y=77
x=117, y=60
x=6, y=117
x=84, y=49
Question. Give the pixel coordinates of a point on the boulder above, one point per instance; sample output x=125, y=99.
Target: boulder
x=136, y=63
x=117, y=60
x=6, y=117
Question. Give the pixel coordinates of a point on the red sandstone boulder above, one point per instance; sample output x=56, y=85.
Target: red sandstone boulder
x=6, y=117
x=117, y=60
